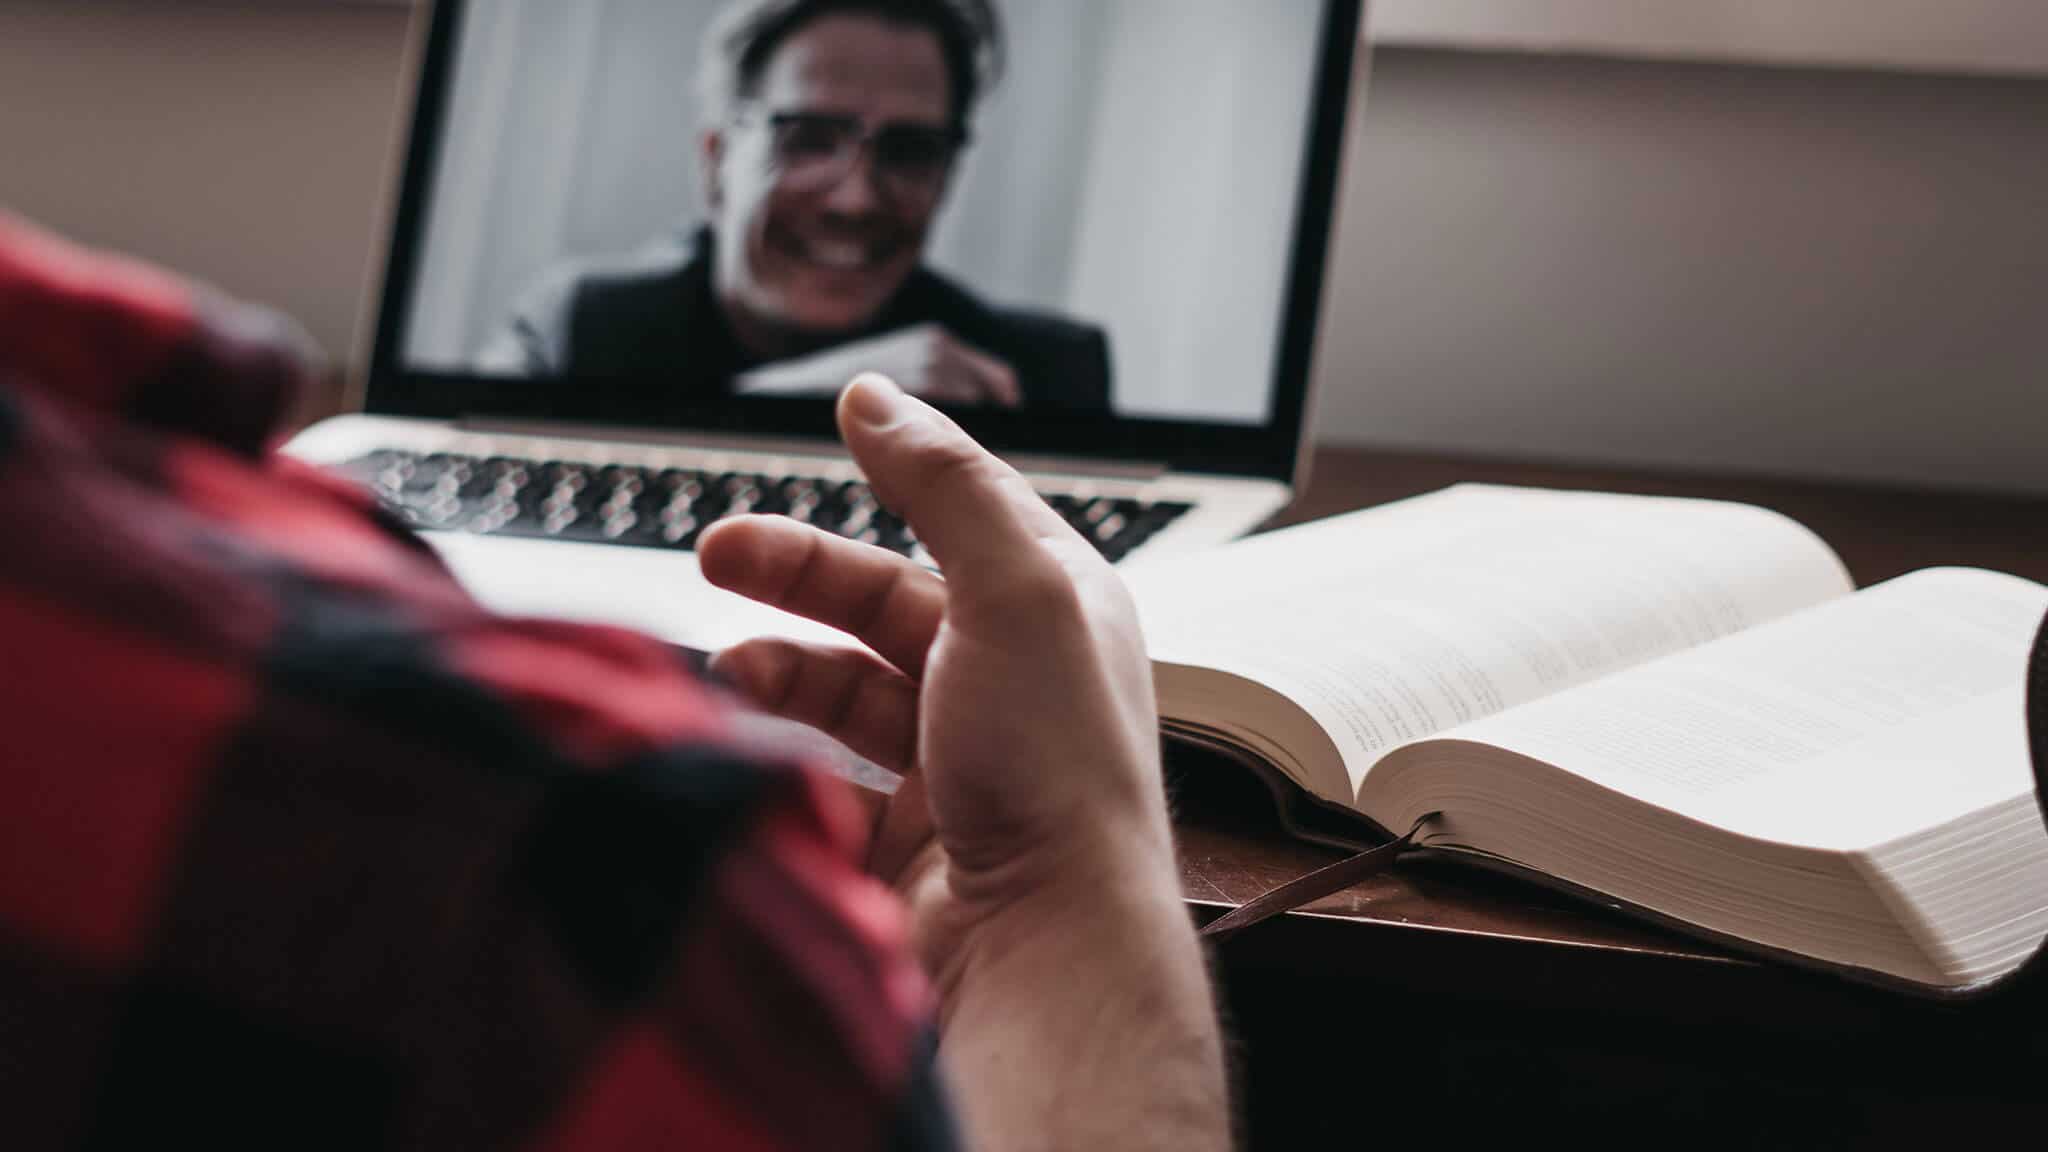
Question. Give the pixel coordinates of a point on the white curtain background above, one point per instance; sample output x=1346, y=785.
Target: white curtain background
x=1136, y=168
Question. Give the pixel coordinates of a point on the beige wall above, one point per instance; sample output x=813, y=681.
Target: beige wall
x=244, y=143
x=1988, y=36
x=1835, y=274
x=1822, y=273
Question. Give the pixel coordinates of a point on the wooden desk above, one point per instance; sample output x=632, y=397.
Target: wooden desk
x=1511, y=1006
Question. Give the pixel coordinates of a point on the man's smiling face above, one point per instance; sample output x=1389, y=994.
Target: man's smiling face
x=800, y=257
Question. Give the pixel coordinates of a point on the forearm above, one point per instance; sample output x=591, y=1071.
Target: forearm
x=1085, y=1019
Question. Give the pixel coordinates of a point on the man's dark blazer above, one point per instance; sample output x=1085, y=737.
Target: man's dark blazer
x=658, y=321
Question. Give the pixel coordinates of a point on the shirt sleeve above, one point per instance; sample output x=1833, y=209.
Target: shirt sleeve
x=711, y=892
x=299, y=846
x=111, y=339
x=469, y=882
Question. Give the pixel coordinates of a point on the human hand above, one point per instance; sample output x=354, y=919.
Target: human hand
x=1016, y=695
x=926, y=361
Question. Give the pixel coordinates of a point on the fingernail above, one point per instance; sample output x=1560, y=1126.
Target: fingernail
x=875, y=401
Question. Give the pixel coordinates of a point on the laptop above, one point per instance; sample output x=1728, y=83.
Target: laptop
x=638, y=246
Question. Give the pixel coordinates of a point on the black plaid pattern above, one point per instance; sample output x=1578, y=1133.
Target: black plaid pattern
x=304, y=849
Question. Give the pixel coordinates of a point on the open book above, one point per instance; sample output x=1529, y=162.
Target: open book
x=1681, y=706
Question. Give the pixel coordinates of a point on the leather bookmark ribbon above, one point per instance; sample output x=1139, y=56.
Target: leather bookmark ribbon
x=1313, y=887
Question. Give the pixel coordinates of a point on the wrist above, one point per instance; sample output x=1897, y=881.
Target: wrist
x=1102, y=852
x=1084, y=1008
x=1098, y=899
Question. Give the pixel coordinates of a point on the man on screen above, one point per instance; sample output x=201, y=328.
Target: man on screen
x=835, y=127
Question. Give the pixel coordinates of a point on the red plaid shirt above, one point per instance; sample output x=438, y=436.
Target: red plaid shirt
x=298, y=846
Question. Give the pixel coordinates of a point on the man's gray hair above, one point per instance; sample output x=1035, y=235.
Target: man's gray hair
x=747, y=33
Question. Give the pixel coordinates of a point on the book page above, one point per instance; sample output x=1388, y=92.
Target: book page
x=1863, y=721
x=1395, y=624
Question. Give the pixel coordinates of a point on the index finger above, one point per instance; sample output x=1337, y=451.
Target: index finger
x=879, y=598
x=980, y=520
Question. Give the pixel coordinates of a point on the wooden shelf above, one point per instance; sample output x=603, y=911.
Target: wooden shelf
x=1994, y=37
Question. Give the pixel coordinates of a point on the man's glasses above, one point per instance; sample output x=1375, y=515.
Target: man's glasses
x=816, y=150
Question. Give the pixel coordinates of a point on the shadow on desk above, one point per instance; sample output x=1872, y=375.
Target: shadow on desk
x=1444, y=1003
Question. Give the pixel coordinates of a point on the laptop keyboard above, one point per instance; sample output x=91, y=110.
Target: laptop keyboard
x=671, y=508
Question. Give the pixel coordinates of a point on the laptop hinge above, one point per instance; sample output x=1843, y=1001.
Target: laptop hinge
x=1120, y=470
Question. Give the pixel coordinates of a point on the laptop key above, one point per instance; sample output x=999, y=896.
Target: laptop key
x=669, y=509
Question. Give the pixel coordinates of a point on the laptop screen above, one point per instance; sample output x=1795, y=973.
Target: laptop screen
x=1088, y=227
